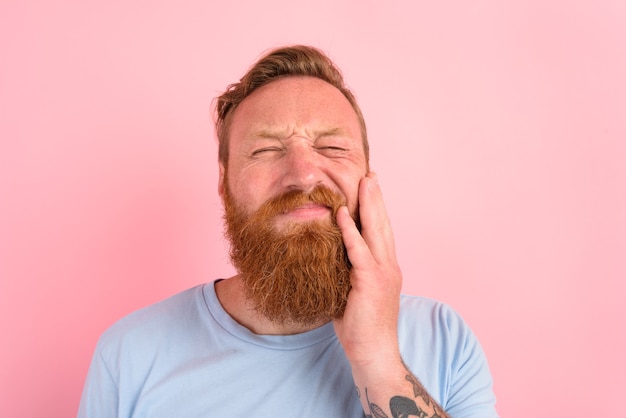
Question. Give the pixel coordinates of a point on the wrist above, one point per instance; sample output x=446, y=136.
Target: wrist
x=380, y=367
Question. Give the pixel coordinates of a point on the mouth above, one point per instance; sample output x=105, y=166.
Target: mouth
x=307, y=212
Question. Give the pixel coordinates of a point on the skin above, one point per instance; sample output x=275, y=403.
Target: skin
x=299, y=132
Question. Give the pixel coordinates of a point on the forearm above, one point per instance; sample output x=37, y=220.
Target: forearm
x=393, y=391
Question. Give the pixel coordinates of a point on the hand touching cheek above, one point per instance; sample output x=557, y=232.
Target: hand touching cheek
x=368, y=329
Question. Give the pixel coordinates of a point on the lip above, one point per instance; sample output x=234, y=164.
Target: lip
x=310, y=211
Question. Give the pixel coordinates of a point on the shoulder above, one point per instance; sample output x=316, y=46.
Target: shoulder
x=154, y=322
x=434, y=330
x=434, y=321
x=428, y=312
x=442, y=351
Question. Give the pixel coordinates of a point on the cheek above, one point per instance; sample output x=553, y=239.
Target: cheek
x=249, y=192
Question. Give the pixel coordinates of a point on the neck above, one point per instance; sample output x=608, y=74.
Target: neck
x=232, y=298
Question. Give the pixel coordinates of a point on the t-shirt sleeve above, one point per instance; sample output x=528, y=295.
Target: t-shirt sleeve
x=444, y=354
x=470, y=386
x=100, y=392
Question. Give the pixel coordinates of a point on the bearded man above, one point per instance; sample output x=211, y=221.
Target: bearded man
x=313, y=324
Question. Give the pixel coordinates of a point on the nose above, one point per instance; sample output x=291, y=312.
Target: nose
x=302, y=169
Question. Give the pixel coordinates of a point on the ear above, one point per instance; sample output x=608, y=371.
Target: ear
x=221, y=181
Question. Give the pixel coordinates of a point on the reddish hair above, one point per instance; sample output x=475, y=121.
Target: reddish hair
x=297, y=60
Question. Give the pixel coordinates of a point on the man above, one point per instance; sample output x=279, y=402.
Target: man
x=313, y=324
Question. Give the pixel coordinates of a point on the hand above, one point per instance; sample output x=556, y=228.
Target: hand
x=368, y=328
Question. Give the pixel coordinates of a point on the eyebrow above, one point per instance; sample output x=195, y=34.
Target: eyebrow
x=280, y=134
x=267, y=134
x=330, y=132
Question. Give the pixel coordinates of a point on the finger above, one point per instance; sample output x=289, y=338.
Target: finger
x=358, y=251
x=375, y=225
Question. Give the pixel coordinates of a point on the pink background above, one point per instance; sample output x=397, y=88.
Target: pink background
x=498, y=132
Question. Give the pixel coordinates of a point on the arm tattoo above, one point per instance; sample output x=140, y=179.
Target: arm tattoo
x=375, y=410
x=403, y=407
x=418, y=390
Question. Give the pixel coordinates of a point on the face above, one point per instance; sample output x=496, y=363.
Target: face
x=295, y=133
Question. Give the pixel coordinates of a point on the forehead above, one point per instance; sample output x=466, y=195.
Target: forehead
x=292, y=104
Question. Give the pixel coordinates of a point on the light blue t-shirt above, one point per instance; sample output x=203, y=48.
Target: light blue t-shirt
x=185, y=357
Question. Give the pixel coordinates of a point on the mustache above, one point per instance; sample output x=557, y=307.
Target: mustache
x=288, y=201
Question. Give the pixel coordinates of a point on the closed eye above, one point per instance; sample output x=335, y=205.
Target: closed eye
x=261, y=151
x=331, y=150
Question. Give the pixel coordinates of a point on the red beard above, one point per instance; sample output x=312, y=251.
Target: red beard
x=298, y=275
